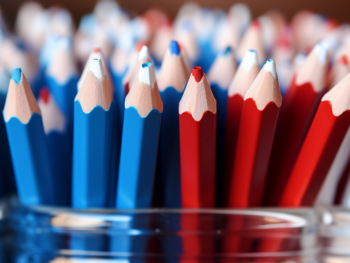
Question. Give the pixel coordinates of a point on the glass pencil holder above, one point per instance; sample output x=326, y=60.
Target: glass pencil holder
x=48, y=234
x=334, y=232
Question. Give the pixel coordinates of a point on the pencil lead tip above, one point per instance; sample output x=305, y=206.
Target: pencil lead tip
x=96, y=50
x=17, y=75
x=44, y=95
x=255, y=24
x=174, y=48
x=197, y=73
x=270, y=66
x=96, y=68
x=344, y=60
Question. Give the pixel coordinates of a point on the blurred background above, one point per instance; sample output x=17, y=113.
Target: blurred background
x=336, y=8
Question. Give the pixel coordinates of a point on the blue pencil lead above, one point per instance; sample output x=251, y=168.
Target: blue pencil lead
x=227, y=50
x=174, y=48
x=16, y=75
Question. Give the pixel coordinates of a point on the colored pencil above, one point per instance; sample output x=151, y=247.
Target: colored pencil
x=252, y=39
x=133, y=71
x=59, y=144
x=92, y=149
x=143, y=110
x=186, y=39
x=6, y=170
x=320, y=147
x=159, y=44
x=197, y=110
x=33, y=171
x=62, y=78
x=243, y=79
x=260, y=109
x=172, y=80
x=299, y=106
x=220, y=76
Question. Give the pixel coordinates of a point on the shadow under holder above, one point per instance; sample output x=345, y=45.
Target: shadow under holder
x=47, y=234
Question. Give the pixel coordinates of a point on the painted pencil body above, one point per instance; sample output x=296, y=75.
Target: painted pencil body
x=298, y=109
x=246, y=73
x=171, y=82
x=197, y=111
x=256, y=132
x=93, y=125
x=320, y=147
x=220, y=76
x=59, y=142
x=33, y=172
x=143, y=108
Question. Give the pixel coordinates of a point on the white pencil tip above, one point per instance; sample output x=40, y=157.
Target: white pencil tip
x=96, y=68
x=250, y=58
x=143, y=53
x=321, y=52
x=270, y=65
x=146, y=74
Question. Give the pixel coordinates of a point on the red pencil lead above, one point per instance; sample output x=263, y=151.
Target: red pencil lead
x=44, y=95
x=197, y=73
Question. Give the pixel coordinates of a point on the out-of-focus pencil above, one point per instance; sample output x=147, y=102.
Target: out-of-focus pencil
x=256, y=132
x=299, y=107
x=220, y=76
x=320, y=147
x=25, y=131
x=252, y=39
x=172, y=80
x=246, y=74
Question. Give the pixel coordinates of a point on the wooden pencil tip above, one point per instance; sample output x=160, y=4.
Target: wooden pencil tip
x=270, y=66
x=174, y=48
x=250, y=58
x=321, y=52
x=17, y=75
x=96, y=68
x=197, y=73
x=44, y=95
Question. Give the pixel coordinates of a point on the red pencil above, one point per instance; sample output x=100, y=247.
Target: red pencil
x=299, y=107
x=321, y=144
x=243, y=79
x=256, y=132
x=197, y=111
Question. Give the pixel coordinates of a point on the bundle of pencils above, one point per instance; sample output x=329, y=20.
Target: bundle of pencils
x=144, y=126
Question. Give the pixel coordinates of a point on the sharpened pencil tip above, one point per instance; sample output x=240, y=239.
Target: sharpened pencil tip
x=146, y=74
x=250, y=58
x=197, y=73
x=271, y=67
x=96, y=50
x=17, y=75
x=174, y=48
x=96, y=68
x=344, y=60
x=321, y=52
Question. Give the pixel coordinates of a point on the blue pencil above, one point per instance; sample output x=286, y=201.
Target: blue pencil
x=171, y=82
x=33, y=172
x=6, y=173
x=143, y=109
x=58, y=132
x=220, y=76
x=93, y=124
x=62, y=77
x=112, y=181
